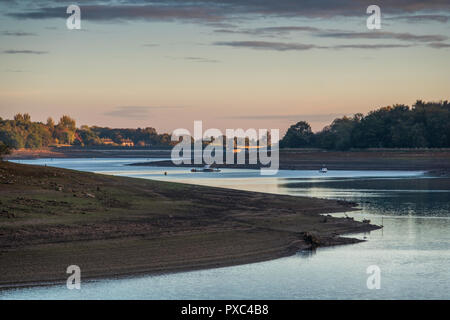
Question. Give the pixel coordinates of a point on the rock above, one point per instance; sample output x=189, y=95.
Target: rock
x=312, y=239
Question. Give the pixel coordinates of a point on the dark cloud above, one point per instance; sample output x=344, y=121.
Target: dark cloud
x=17, y=33
x=292, y=117
x=14, y=71
x=266, y=45
x=153, y=12
x=195, y=59
x=384, y=35
x=439, y=45
x=337, y=34
x=232, y=31
x=369, y=46
x=312, y=118
x=216, y=10
x=284, y=29
x=283, y=46
x=200, y=59
x=134, y=112
x=24, y=52
x=270, y=30
x=422, y=18
x=220, y=12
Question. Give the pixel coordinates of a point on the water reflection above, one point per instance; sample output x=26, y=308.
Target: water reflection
x=412, y=250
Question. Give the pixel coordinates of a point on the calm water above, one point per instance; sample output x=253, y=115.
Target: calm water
x=412, y=250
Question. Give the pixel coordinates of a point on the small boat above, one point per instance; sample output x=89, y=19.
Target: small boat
x=206, y=168
x=323, y=170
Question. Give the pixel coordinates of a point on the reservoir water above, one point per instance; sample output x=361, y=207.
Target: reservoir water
x=412, y=251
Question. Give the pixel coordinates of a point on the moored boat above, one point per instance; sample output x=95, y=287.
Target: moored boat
x=206, y=168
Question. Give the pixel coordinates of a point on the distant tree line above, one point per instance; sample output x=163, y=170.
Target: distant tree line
x=21, y=132
x=424, y=125
x=140, y=136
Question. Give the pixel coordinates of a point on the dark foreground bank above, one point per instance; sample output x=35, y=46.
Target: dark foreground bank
x=110, y=226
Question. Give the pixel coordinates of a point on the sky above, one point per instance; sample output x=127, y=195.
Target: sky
x=230, y=63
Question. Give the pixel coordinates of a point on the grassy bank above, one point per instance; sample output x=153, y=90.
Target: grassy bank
x=51, y=218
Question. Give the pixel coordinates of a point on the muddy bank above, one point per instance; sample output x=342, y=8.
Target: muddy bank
x=51, y=218
x=416, y=160
x=435, y=160
x=91, y=152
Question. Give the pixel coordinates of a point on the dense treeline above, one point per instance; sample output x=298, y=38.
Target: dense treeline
x=140, y=137
x=424, y=125
x=21, y=132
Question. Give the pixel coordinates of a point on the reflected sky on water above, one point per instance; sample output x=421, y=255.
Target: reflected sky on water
x=412, y=250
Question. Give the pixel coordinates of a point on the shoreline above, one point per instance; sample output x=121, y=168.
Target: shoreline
x=117, y=226
x=74, y=152
x=213, y=265
x=436, y=161
x=290, y=159
x=347, y=239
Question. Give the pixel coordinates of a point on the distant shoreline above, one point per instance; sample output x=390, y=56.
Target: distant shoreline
x=100, y=152
x=434, y=160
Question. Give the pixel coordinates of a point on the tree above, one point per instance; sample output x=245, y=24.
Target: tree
x=26, y=118
x=341, y=133
x=65, y=130
x=88, y=137
x=298, y=135
x=12, y=138
x=18, y=117
x=50, y=124
x=67, y=122
x=426, y=124
x=4, y=150
x=34, y=141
